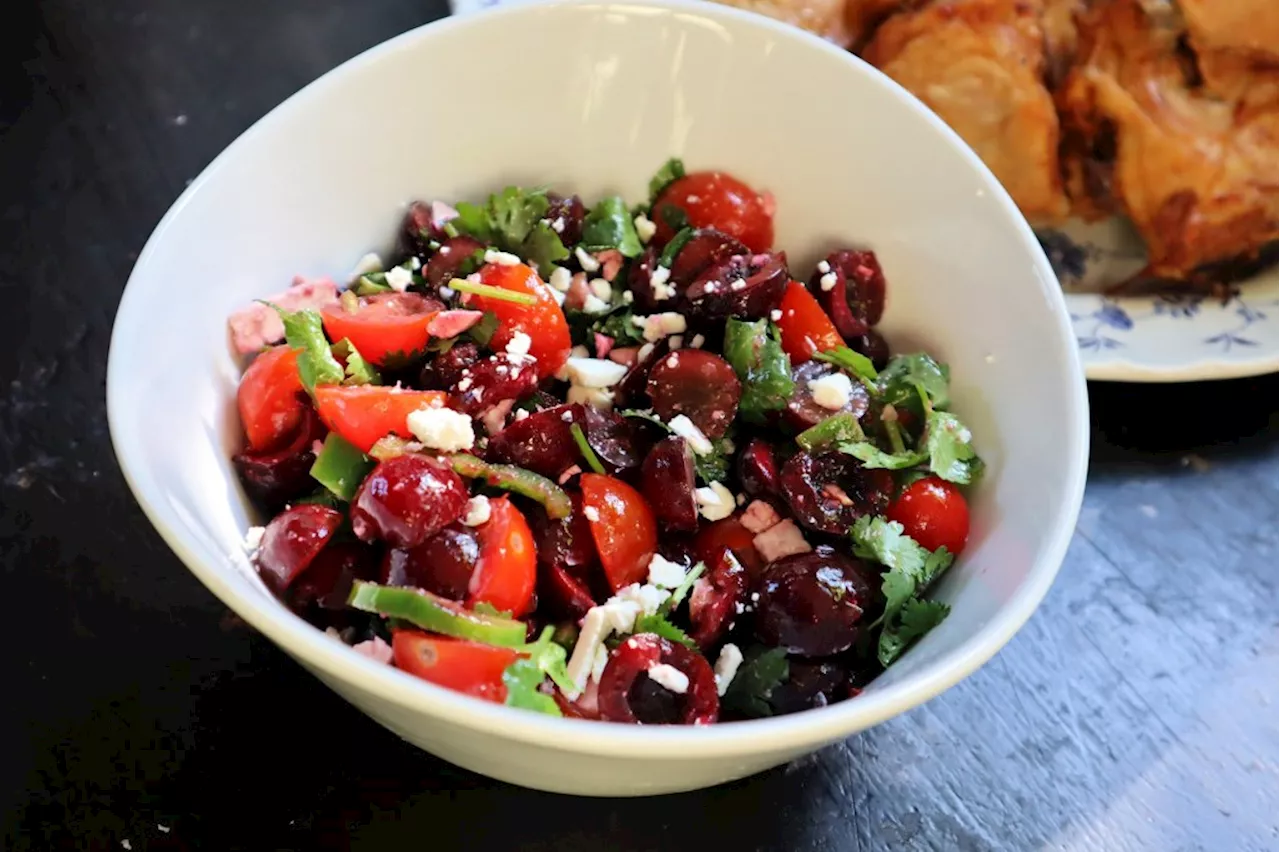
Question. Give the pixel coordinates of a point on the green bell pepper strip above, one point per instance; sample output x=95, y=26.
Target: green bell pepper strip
x=436, y=614
x=526, y=483
x=340, y=466
x=842, y=427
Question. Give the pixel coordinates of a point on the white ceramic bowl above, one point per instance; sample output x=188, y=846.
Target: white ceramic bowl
x=594, y=97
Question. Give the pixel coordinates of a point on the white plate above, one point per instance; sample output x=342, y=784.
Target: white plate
x=1140, y=338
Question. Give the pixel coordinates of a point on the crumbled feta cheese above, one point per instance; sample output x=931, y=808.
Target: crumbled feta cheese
x=595, y=397
x=645, y=352
x=501, y=258
x=477, y=511
x=442, y=429
x=726, y=667
x=664, y=572
x=518, y=345
x=594, y=372
x=823, y=267
x=591, y=513
x=557, y=295
x=775, y=314
x=415, y=264
x=645, y=229
x=593, y=304
x=669, y=677
x=586, y=261
x=566, y=416
x=658, y=326
x=673, y=360
x=687, y=429
x=628, y=297
x=600, y=663
x=715, y=502
x=739, y=284
x=253, y=538
x=658, y=282
x=557, y=225
x=832, y=392
x=648, y=597
x=827, y=282
x=399, y=278
x=522, y=413
x=594, y=631
x=369, y=263
x=697, y=341
x=601, y=289
x=579, y=351
x=560, y=279
x=446, y=293
x=675, y=341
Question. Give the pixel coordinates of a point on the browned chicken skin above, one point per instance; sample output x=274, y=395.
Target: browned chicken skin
x=1187, y=149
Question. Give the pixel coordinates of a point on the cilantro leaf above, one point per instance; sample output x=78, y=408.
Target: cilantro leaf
x=672, y=248
x=762, y=671
x=754, y=349
x=483, y=331
x=856, y=363
x=836, y=428
x=359, y=371
x=522, y=679
x=550, y=656
x=714, y=466
x=915, y=619
x=316, y=365
x=616, y=324
x=911, y=568
x=950, y=453
x=671, y=171
x=658, y=623
x=674, y=216
x=872, y=456
x=609, y=226
x=512, y=221
x=543, y=248
x=906, y=376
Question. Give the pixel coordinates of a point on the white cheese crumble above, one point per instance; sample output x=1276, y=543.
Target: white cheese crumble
x=586, y=261
x=600, y=663
x=827, y=281
x=253, y=538
x=658, y=326
x=518, y=345
x=687, y=429
x=664, y=572
x=591, y=514
x=367, y=264
x=669, y=677
x=648, y=597
x=697, y=341
x=593, y=304
x=658, y=283
x=442, y=429
x=477, y=511
x=601, y=289
x=675, y=341
x=557, y=295
x=715, y=502
x=501, y=258
x=727, y=667
x=823, y=267
x=628, y=297
x=560, y=279
x=595, y=397
x=832, y=392
x=399, y=278
x=775, y=314
x=594, y=372
x=557, y=225
x=645, y=228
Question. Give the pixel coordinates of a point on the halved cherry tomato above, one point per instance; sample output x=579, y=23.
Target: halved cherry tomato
x=364, y=413
x=805, y=327
x=270, y=398
x=386, y=328
x=544, y=322
x=720, y=201
x=470, y=667
x=728, y=535
x=934, y=513
x=507, y=569
x=622, y=525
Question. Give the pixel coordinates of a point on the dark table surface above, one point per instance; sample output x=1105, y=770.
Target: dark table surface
x=1136, y=710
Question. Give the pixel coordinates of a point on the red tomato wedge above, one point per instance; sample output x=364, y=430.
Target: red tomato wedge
x=622, y=525
x=544, y=322
x=805, y=327
x=507, y=569
x=461, y=665
x=720, y=201
x=364, y=413
x=270, y=398
x=386, y=329
x=934, y=513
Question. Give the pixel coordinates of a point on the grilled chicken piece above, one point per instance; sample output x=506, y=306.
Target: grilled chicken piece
x=981, y=66
x=1186, y=148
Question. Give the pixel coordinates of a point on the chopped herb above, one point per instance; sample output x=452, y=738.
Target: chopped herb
x=316, y=365
x=616, y=324
x=543, y=249
x=482, y=332
x=672, y=170
x=854, y=363
x=658, y=623
x=673, y=248
x=359, y=371
x=915, y=619
x=907, y=376
x=714, y=466
x=872, y=456
x=951, y=455
x=762, y=671
x=588, y=454
x=512, y=221
x=835, y=429
x=675, y=217
x=609, y=226
x=340, y=466
x=522, y=679
x=462, y=285
x=754, y=349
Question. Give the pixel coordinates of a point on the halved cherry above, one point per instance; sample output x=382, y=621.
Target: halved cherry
x=507, y=569
x=387, y=329
x=622, y=525
x=715, y=200
x=269, y=398
x=628, y=694
x=364, y=413
x=543, y=321
x=698, y=384
x=805, y=327
x=292, y=540
x=469, y=667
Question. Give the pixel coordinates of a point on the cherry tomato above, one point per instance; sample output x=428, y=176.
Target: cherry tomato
x=728, y=535
x=270, y=398
x=508, y=565
x=934, y=513
x=362, y=414
x=805, y=327
x=622, y=525
x=386, y=328
x=717, y=200
x=470, y=667
x=544, y=322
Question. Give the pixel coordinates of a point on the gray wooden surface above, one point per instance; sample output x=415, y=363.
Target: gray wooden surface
x=1136, y=710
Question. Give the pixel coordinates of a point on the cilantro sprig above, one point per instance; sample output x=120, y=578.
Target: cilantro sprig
x=304, y=330
x=539, y=660
x=754, y=349
x=609, y=225
x=670, y=172
x=512, y=220
x=762, y=671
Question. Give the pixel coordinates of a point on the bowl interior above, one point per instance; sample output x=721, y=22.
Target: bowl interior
x=593, y=98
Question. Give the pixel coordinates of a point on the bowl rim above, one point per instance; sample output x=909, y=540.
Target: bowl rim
x=321, y=654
